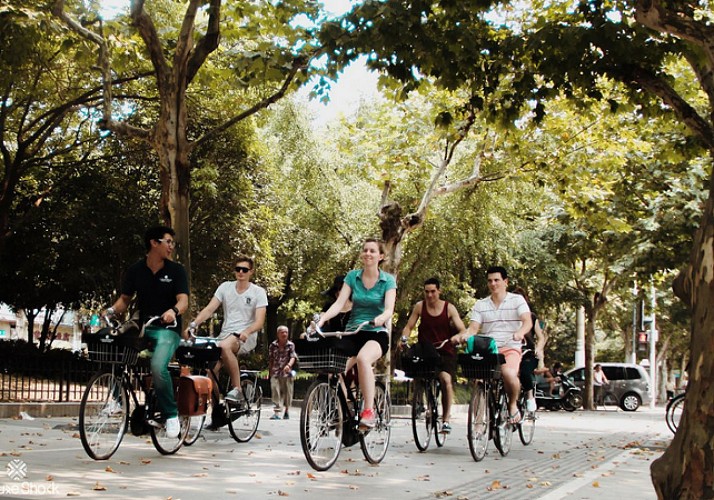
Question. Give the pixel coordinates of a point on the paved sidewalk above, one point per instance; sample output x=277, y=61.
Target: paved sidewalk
x=581, y=455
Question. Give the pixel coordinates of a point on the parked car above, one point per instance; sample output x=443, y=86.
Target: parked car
x=628, y=388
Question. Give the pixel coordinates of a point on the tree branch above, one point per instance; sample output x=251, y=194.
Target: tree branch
x=208, y=43
x=147, y=31
x=298, y=64
x=669, y=96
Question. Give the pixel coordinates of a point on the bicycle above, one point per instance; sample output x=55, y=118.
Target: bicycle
x=110, y=404
x=242, y=417
x=425, y=400
x=673, y=413
x=330, y=410
x=488, y=406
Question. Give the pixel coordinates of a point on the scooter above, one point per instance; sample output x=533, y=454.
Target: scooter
x=566, y=395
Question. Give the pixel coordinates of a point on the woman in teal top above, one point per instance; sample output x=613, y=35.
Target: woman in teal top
x=373, y=293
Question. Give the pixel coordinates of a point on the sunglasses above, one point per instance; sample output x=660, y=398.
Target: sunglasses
x=241, y=269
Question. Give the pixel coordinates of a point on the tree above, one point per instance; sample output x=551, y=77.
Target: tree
x=265, y=50
x=73, y=247
x=45, y=113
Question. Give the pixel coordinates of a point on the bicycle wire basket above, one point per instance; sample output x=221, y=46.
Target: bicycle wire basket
x=105, y=347
x=481, y=366
x=322, y=356
x=417, y=367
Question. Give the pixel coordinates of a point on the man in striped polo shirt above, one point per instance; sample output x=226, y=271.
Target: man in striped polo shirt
x=506, y=318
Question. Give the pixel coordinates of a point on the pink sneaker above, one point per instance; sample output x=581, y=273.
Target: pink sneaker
x=367, y=419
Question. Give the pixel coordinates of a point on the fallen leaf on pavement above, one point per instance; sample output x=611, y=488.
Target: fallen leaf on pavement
x=310, y=475
x=109, y=469
x=353, y=487
x=99, y=487
x=145, y=461
x=282, y=493
x=72, y=494
x=596, y=484
x=200, y=474
x=49, y=477
x=496, y=485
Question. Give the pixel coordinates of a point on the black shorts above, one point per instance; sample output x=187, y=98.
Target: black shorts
x=448, y=365
x=354, y=343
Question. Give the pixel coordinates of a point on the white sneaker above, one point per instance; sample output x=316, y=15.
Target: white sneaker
x=234, y=395
x=173, y=427
x=531, y=405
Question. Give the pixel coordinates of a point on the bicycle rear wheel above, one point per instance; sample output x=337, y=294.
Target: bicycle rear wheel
x=478, y=421
x=245, y=415
x=526, y=428
x=103, y=415
x=439, y=437
x=675, y=407
x=195, y=425
x=321, y=425
x=421, y=415
x=375, y=442
x=503, y=436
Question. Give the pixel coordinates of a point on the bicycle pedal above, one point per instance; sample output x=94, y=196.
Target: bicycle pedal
x=155, y=423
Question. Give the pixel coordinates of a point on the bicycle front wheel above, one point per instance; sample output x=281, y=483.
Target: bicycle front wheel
x=478, y=421
x=169, y=445
x=526, y=428
x=375, y=442
x=674, y=412
x=195, y=425
x=421, y=415
x=503, y=436
x=439, y=437
x=321, y=425
x=103, y=415
x=245, y=415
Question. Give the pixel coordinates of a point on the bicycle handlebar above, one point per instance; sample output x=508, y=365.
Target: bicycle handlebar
x=315, y=333
x=154, y=318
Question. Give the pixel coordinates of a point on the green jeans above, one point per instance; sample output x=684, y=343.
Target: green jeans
x=164, y=343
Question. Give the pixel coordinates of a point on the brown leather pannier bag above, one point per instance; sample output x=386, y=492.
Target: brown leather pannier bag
x=193, y=395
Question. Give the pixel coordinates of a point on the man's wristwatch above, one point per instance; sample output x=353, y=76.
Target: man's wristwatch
x=175, y=310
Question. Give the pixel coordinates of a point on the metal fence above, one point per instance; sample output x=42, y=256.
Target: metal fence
x=33, y=377
x=44, y=378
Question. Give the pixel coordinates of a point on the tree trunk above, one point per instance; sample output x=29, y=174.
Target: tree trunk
x=588, y=394
x=686, y=469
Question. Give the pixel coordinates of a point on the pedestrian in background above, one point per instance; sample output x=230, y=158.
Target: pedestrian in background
x=599, y=382
x=281, y=360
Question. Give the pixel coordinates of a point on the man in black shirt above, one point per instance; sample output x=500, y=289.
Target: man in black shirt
x=161, y=288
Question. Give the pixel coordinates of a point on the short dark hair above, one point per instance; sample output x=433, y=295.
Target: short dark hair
x=498, y=269
x=156, y=233
x=245, y=258
x=433, y=281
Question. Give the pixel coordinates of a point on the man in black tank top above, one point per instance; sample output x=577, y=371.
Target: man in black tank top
x=437, y=320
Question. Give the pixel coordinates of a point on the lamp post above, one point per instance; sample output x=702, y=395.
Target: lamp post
x=653, y=356
x=633, y=355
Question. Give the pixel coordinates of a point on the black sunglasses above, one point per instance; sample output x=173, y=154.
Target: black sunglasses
x=241, y=269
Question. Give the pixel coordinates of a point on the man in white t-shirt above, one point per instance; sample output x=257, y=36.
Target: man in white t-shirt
x=506, y=318
x=244, y=306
